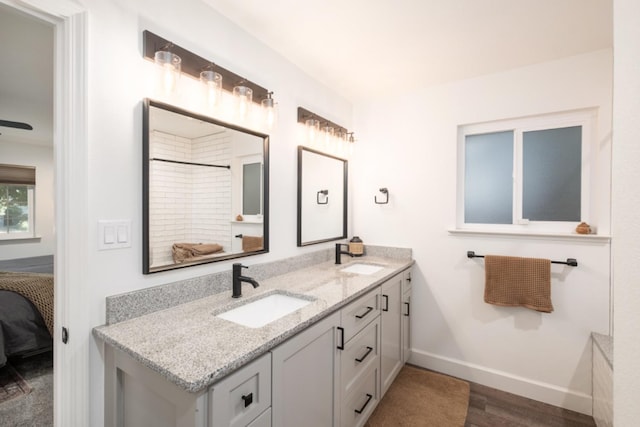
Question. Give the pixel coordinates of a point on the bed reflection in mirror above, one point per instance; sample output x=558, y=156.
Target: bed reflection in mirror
x=322, y=197
x=205, y=189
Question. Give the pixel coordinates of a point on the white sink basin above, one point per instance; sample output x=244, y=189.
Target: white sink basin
x=359, y=268
x=264, y=310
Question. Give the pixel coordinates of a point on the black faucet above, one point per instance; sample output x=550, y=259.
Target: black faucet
x=339, y=252
x=238, y=278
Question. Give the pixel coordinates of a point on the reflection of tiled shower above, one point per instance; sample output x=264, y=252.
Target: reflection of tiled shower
x=188, y=203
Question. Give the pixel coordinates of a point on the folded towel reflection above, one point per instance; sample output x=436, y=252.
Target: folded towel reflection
x=186, y=251
x=252, y=243
x=514, y=281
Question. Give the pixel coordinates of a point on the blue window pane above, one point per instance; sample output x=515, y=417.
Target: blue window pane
x=488, y=185
x=551, y=175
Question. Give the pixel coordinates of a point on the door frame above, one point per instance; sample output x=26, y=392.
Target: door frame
x=71, y=360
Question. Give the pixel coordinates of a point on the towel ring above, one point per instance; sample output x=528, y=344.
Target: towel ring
x=384, y=191
x=326, y=195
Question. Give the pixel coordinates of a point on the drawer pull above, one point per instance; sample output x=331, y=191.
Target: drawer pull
x=386, y=302
x=341, y=345
x=359, y=411
x=365, y=355
x=369, y=310
x=248, y=399
x=408, y=309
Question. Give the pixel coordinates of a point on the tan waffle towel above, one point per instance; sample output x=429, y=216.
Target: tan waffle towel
x=251, y=243
x=186, y=251
x=513, y=281
x=36, y=287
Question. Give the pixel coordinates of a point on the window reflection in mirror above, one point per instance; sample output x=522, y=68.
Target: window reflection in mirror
x=322, y=197
x=196, y=189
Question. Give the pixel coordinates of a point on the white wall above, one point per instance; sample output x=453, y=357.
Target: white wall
x=626, y=224
x=118, y=77
x=408, y=144
x=42, y=158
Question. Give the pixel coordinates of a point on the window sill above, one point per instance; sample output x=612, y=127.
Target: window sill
x=561, y=236
x=9, y=241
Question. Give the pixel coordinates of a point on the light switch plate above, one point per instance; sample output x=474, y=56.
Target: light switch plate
x=114, y=234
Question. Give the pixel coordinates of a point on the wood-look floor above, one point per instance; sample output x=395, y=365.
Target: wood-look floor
x=489, y=407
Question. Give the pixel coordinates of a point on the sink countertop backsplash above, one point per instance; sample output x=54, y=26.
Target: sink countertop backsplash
x=188, y=345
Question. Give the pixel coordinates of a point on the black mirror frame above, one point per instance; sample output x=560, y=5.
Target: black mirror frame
x=301, y=149
x=146, y=269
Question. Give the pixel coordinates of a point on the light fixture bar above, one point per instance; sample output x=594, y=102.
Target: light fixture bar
x=193, y=64
x=304, y=115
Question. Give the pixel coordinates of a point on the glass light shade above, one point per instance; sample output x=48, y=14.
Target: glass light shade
x=328, y=133
x=243, y=97
x=170, y=65
x=313, y=129
x=269, y=111
x=213, y=83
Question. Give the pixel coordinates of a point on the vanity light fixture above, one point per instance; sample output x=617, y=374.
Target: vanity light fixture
x=213, y=87
x=269, y=111
x=169, y=64
x=331, y=135
x=176, y=60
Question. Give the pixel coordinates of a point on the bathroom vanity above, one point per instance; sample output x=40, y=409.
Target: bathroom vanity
x=326, y=363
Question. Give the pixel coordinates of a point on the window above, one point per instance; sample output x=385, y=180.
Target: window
x=252, y=172
x=528, y=174
x=17, y=184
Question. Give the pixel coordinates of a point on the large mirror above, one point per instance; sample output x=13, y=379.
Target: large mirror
x=205, y=189
x=322, y=197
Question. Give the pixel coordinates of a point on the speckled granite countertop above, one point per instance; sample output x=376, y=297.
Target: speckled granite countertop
x=193, y=349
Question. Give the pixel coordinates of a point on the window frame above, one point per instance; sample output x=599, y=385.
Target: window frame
x=31, y=216
x=585, y=118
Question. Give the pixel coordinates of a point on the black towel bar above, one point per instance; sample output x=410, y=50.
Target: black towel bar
x=570, y=261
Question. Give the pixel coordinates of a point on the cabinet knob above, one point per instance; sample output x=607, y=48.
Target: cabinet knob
x=248, y=399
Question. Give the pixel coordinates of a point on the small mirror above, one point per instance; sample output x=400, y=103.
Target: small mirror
x=205, y=189
x=322, y=197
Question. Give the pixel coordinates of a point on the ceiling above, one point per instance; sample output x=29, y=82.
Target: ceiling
x=26, y=77
x=371, y=48
x=360, y=48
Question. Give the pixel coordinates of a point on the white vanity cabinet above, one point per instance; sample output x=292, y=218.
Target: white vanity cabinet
x=305, y=377
x=333, y=373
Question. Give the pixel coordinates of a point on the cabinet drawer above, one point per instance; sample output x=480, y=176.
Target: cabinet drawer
x=242, y=396
x=359, y=354
x=360, y=403
x=359, y=313
x=264, y=420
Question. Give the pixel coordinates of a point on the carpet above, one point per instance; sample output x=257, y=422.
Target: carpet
x=12, y=384
x=419, y=397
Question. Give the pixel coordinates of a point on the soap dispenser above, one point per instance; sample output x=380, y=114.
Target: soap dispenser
x=356, y=247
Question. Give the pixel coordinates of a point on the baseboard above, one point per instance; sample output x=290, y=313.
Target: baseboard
x=526, y=387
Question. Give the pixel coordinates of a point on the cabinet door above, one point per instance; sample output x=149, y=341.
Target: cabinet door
x=406, y=316
x=305, y=377
x=391, y=360
x=406, y=326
